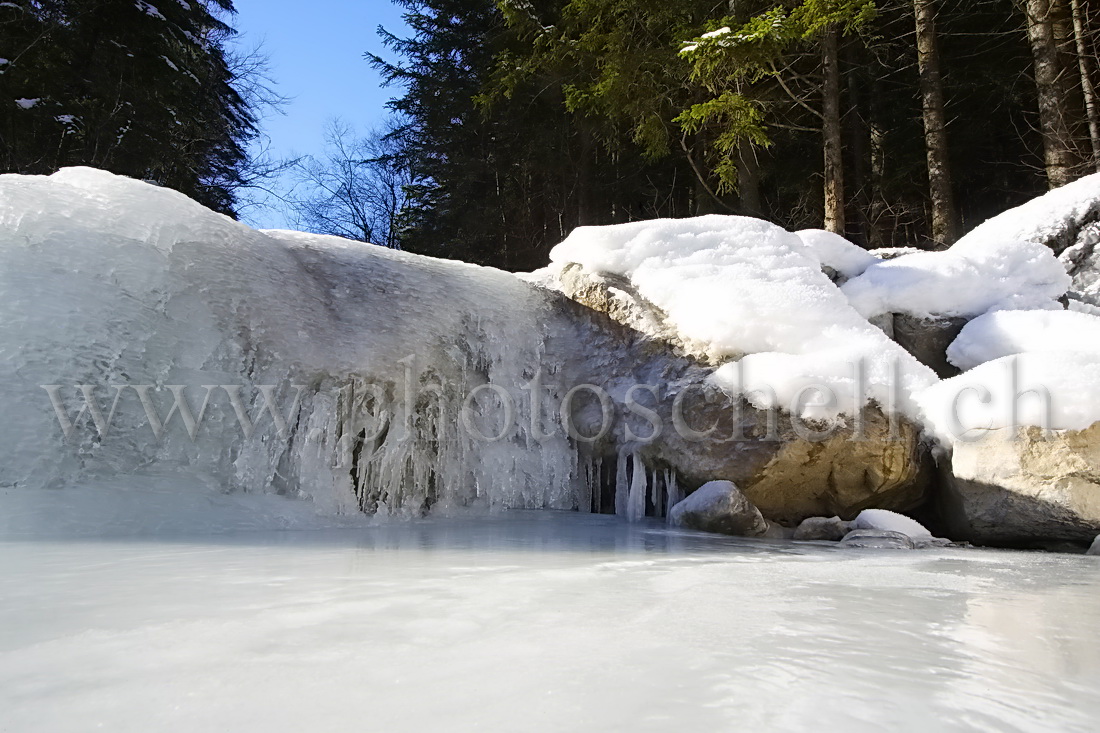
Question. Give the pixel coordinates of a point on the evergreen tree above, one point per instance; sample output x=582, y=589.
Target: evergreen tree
x=503, y=171
x=137, y=88
x=529, y=117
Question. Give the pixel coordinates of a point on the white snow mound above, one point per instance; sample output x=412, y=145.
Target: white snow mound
x=1043, y=219
x=967, y=280
x=755, y=293
x=1051, y=389
x=833, y=250
x=885, y=520
x=1004, y=333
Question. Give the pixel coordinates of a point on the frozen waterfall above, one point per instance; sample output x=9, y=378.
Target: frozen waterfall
x=142, y=335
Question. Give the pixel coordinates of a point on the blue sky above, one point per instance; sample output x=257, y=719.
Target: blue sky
x=316, y=51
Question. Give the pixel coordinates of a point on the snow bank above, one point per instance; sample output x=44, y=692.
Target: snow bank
x=1045, y=220
x=1052, y=389
x=1004, y=333
x=756, y=296
x=970, y=278
x=836, y=252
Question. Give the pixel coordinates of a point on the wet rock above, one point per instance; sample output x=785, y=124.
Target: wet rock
x=831, y=529
x=718, y=506
x=878, y=539
x=778, y=532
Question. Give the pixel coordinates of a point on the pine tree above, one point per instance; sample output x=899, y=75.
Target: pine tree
x=139, y=89
x=503, y=163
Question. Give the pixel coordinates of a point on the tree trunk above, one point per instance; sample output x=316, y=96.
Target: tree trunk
x=748, y=180
x=857, y=172
x=831, y=129
x=944, y=218
x=1057, y=141
x=1092, y=108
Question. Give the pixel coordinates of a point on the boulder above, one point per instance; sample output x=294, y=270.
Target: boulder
x=1095, y=548
x=718, y=506
x=831, y=529
x=1019, y=486
x=877, y=539
x=927, y=339
x=881, y=520
x=873, y=461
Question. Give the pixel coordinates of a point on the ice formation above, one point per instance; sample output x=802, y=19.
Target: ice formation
x=107, y=281
x=756, y=295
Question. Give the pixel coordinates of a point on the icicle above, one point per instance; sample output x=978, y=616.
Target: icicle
x=621, y=486
x=673, y=491
x=636, y=506
x=654, y=490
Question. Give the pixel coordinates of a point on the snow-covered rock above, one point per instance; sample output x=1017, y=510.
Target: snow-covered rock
x=878, y=539
x=616, y=296
x=1053, y=389
x=882, y=519
x=640, y=275
x=753, y=296
x=973, y=277
x=1053, y=220
x=1021, y=486
x=1082, y=262
x=718, y=506
x=923, y=299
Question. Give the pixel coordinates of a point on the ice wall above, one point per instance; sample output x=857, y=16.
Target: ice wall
x=108, y=281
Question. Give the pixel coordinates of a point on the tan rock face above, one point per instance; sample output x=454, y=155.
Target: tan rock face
x=842, y=475
x=1020, y=486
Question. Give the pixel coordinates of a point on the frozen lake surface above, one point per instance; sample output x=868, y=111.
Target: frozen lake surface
x=540, y=621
